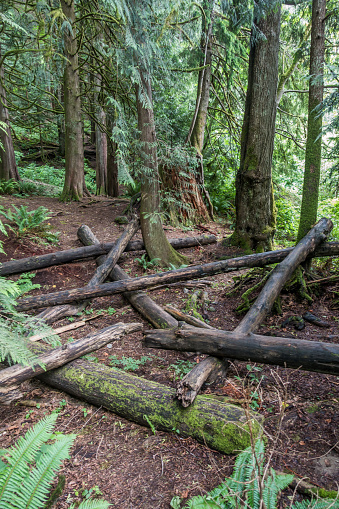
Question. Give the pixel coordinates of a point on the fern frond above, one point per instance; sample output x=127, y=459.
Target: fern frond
x=19, y=456
x=35, y=489
x=92, y=504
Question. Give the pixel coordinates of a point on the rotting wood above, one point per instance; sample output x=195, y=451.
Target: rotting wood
x=139, y=300
x=100, y=275
x=288, y=352
x=221, y=426
x=56, y=357
x=171, y=276
x=208, y=370
x=282, y=273
x=65, y=328
x=81, y=253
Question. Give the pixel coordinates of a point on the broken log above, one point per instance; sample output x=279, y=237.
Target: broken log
x=80, y=253
x=59, y=356
x=288, y=352
x=100, y=275
x=224, y=427
x=282, y=273
x=206, y=371
x=139, y=300
x=171, y=276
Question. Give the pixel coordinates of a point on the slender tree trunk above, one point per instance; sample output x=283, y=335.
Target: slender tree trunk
x=112, y=163
x=8, y=167
x=309, y=205
x=255, y=209
x=197, y=205
x=61, y=123
x=101, y=143
x=156, y=243
x=74, y=185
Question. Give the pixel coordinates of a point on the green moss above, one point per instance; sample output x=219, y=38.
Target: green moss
x=322, y=493
x=251, y=160
x=312, y=409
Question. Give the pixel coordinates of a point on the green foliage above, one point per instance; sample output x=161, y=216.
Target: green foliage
x=25, y=283
x=24, y=223
x=146, y=263
x=30, y=467
x=18, y=188
x=181, y=368
x=330, y=208
x=128, y=363
x=253, y=485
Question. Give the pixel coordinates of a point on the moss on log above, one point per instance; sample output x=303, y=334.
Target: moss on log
x=224, y=427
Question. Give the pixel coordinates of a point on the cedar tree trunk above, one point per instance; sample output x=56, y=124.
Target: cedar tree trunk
x=8, y=168
x=101, y=144
x=255, y=209
x=112, y=162
x=309, y=205
x=156, y=243
x=74, y=186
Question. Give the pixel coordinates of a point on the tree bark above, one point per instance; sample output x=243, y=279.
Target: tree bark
x=184, y=317
x=221, y=426
x=309, y=204
x=139, y=300
x=282, y=273
x=8, y=167
x=74, y=185
x=100, y=143
x=156, y=243
x=112, y=162
x=288, y=352
x=73, y=255
x=255, y=209
x=52, y=359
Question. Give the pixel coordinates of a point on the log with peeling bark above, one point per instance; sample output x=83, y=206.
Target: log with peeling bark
x=100, y=275
x=219, y=425
x=171, y=276
x=139, y=300
x=288, y=352
x=282, y=273
x=208, y=370
x=264, y=302
x=56, y=357
x=81, y=253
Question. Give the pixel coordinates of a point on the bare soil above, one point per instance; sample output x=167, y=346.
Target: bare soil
x=129, y=465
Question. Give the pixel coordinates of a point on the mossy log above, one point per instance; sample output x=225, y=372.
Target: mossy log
x=81, y=253
x=53, y=358
x=288, y=352
x=224, y=427
x=139, y=300
x=51, y=314
x=282, y=273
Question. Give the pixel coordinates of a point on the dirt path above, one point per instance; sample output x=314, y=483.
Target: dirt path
x=129, y=465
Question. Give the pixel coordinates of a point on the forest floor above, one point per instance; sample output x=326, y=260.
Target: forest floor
x=129, y=465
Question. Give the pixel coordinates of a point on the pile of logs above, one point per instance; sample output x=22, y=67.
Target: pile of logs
x=220, y=425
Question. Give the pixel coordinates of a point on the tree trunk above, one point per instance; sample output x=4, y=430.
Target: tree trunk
x=61, y=123
x=288, y=352
x=73, y=255
x=112, y=162
x=309, y=205
x=255, y=209
x=74, y=185
x=153, y=313
x=101, y=144
x=156, y=243
x=221, y=426
x=56, y=357
x=8, y=167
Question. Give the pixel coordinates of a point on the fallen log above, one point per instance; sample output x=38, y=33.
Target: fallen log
x=224, y=427
x=171, y=276
x=100, y=275
x=206, y=371
x=139, y=300
x=282, y=273
x=59, y=356
x=80, y=253
x=288, y=352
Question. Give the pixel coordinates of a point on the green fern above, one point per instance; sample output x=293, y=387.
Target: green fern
x=31, y=465
x=25, y=223
x=242, y=488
